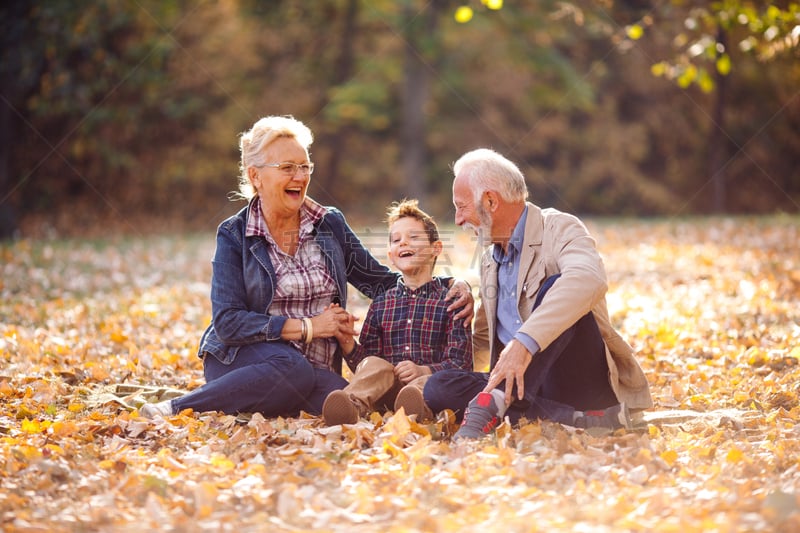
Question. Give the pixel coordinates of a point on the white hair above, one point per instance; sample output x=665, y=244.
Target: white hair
x=485, y=170
x=253, y=142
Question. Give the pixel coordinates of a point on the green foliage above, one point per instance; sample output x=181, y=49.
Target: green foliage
x=123, y=107
x=713, y=32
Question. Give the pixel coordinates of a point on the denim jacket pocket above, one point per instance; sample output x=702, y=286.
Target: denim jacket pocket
x=226, y=355
x=211, y=345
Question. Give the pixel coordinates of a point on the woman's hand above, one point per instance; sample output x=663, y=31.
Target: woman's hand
x=334, y=321
x=461, y=291
x=345, y=335
x=408, y=371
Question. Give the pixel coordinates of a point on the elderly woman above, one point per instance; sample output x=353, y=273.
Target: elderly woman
x=279, y=287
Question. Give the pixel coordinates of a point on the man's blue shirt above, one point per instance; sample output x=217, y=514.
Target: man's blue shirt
x=508, y=319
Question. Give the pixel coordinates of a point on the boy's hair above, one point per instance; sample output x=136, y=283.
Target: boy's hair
x=410, y=208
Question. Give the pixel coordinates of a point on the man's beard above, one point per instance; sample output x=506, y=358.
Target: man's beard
x=484, y=231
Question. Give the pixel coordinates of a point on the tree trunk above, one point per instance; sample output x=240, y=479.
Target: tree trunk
x=718, y=138
x=336, y=142
x=416, y=92
x=8, y=222
x=13, y=85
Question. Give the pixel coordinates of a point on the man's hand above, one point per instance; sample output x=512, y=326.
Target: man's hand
x=408, y=371
x=462, y=293
x=511, y=367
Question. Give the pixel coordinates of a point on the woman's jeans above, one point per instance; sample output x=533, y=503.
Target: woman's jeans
x=271, y=378
x=570, y=374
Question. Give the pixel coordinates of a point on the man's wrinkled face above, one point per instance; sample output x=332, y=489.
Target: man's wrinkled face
x=470, y=214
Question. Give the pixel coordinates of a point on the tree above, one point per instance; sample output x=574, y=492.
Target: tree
x=18, y=76
x=712, y=34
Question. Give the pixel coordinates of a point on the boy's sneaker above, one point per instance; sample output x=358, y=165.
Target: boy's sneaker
x=411, y=400
x=614, y=417
x=339, y=409
x=480, y=418
x=150, y=410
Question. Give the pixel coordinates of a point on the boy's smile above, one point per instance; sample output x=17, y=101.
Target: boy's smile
x=411, y=251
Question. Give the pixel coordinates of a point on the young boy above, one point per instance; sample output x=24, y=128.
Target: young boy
x=407, y=334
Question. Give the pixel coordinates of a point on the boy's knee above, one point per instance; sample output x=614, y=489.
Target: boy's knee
x=374, y=363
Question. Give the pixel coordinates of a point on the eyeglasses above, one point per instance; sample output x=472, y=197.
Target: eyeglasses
x=289, y=168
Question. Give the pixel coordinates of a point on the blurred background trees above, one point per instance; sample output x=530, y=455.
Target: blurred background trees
x=125, y=115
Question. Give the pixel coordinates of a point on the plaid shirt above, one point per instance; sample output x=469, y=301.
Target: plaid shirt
x=304, y=287
x=404, y=324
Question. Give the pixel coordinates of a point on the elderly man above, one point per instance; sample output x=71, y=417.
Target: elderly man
x=543, y=317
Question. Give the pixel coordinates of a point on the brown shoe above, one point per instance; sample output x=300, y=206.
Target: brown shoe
x=411, y=400
x=339, y=409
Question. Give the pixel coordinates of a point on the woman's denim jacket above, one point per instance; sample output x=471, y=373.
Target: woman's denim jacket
x=243, y=282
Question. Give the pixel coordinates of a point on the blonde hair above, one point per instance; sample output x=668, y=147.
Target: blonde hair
x=410, y=208
x=253, y=142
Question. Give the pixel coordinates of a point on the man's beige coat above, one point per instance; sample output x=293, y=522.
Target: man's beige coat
x=557, y=242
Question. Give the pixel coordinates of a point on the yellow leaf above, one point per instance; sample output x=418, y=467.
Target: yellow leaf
x=118, y=336
x=398, y=426
x=222, y=462
x=688, y=75
x=31, y=426
x=734, y=455
x=54, y=449
x=26, y=452
x=99, y=374
x=705, y=82
x=658, y=69
x=6, y=389
x=669, y=457
x=707, y=452
x=316, y=464
x=463, y=14
x=76, y=407
x=256, y=469
x=394, y=451
x=634, y=32
x=493, y=4
x=740, y=397
x=25, y=411
x=63, y=428
x=724, y=64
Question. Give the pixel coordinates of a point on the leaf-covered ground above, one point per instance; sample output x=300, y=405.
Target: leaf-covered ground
x=712, y=307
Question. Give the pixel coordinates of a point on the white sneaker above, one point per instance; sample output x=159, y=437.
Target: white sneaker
x=150, y=410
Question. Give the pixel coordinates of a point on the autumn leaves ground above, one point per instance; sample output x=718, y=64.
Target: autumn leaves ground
x=711, y=305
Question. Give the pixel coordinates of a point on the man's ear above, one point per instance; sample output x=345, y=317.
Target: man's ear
x=491, y=201
x=437, y=248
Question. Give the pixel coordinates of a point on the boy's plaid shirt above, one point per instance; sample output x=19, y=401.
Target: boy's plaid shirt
x=404, y=324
